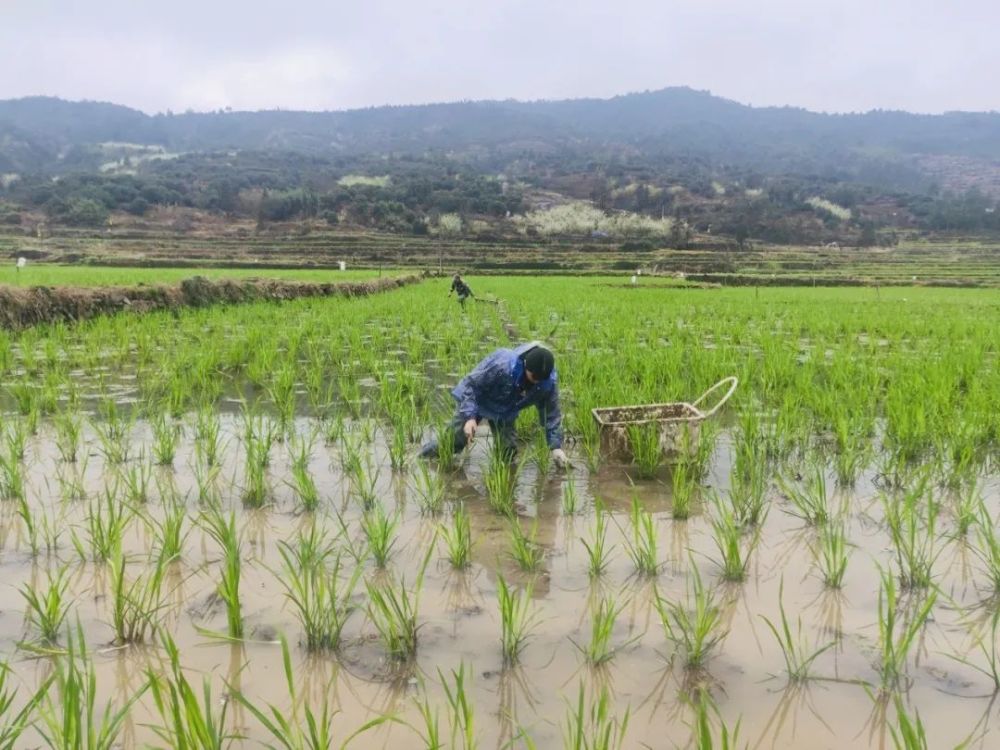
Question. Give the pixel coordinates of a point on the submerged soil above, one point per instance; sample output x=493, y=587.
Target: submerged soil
x=459, y=619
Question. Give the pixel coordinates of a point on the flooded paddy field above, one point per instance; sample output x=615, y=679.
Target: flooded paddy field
x=219, y=516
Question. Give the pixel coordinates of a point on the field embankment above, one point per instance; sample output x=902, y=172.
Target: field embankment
x=23, y=307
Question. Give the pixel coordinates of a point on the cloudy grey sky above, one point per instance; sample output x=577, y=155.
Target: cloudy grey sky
x=848, y=55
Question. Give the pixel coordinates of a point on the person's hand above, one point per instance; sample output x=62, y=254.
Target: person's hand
x=560, y=458
x=469, y=428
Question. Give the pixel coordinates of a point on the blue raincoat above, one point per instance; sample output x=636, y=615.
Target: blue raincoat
x=496, y=390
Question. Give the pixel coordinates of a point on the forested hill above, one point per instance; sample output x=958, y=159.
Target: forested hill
x=35, y=132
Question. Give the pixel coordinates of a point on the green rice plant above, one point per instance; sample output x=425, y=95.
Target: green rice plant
x=598, y=649
x=107, y=519
x=393, y=611
x=598, y=553
x=590, y=725
x=256, y=491
x=706, y=737
x=166, y=436
x=28, y=519
x=809, y=502
x=445, y=445
x=748, y=493
x=208, y=436
x=135, y=479
x=113, y=433
x=912, y=523
x=700, y=459
x=684, y=483
x=965, y=508
x=223, y=531
x=730, y=540
x=461, y=713
x=288, y=729
x=909, y=733
x=380, y=532
x=641, y=542
x=72, y=487
x=896, y=637
x=206, y=480
x=647, y=452
x=169, y=531
x=11, y=477
x=799, y=655
x=13, y=724
x=47, y=610
x=314, y=586
x=458, y=538
x=302, y=482
x=831, y=552
x=398, y=447
x=695, y=627
x=362, y=475
x=570, y=502
x=186, y=723
x=69, y=430
x=135, y=605
x=524, y=548
x=69, y=718
x=15, y=436
x=988, y=547
x=988, y=643
x=500, y=479
x=516, y=619
x=851, y=447
x=430, y=489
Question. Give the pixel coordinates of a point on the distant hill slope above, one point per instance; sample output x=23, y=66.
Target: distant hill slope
x=37, y=133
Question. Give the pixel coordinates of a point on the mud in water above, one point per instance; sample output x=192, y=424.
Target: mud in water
x=458, y=611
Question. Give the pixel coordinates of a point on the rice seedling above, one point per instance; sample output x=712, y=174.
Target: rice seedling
x=748, y=494
x=896, y=637
x=289, y=730
x=256, y=491
x=458, y=538
x=398, y=447
x=570, y=500
x=988, y=547
x=11, y=477
x=965, y=508
x=169, y=531
x=223, y=531
x=135, y=605
x=393, y=612
x=302, y=482
x=810, y=502
x=461, y=713
x=430, y=489
x=208, y=436
x=446, y=455
x=590, y=725
x=831, y=551
x=798, y=654
x=912, y=523
x=694, y=627
x=641, y=543
x=13, y=724
x=135, y=479
x=730, y=539
x=107, y=519
x=315, y=588
x=69, y=429
x=380, y=532
x=705, y=735
x=647, y=451
x=206, y=481
x=362, y=475
x=71, y=483
x=524, y=548
x=684, y=483
x=15, y=438
x=598, y=553
x=47, y=609
x=516, y=619
x=500, y=479
x=908, y=733
x=166, y=437
x=69, y=717
x=186, y=722
x=603, y=616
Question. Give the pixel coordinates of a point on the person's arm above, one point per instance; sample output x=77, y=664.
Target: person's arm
x=550, y=417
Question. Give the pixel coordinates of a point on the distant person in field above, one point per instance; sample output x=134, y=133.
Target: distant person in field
x=462, y=289
x=501, y=386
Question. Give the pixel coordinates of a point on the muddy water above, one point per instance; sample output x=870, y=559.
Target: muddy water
x=460, y=620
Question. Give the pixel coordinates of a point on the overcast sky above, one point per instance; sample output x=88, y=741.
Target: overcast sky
x=851, y=55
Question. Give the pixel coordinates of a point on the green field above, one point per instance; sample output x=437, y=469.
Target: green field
x=184, y=491
x=57, y=275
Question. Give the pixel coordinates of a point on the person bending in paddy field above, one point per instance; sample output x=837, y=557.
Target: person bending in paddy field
x=501, y=386
x=463, y=290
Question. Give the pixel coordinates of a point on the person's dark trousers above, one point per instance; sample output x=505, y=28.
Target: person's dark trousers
x=502, y=430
